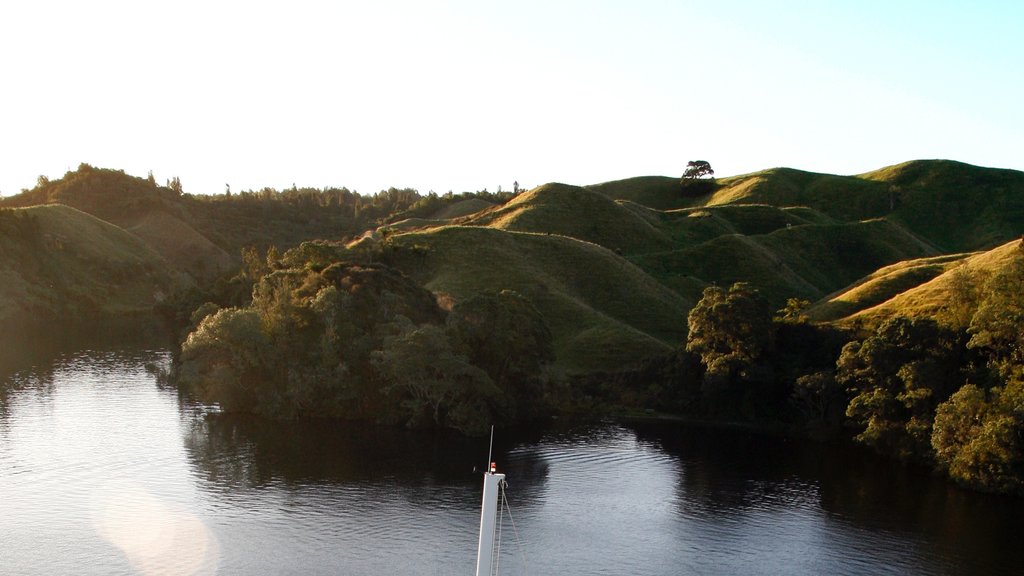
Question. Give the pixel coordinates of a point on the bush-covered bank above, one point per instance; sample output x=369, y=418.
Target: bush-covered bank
x=362, y=341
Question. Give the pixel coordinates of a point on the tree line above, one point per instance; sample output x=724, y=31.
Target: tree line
x=947, y=392
x=363, y=341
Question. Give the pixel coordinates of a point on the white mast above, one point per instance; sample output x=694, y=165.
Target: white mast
x=488, y=514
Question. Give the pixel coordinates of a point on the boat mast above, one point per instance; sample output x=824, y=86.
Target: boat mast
x=488, y=515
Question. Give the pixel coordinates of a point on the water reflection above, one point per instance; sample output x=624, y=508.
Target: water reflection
x=124, y=476
x=881, y=512
x=236, y=450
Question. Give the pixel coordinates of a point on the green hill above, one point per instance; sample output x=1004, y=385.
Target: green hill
x=853, y=243
x=461, y=209
x=577, y=213
x=806, y=261
x=882, y=285
x=956, y=206
x=932, y=298
x=603, y=311
x=59, y=262
x=658, y=192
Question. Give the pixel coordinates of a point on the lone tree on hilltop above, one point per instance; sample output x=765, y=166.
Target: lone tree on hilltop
x=693, y=183
x=697, y=169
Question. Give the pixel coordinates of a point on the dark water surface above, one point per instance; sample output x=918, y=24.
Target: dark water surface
x=105, y=471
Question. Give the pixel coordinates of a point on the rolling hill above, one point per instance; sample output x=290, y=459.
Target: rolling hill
x=61, y=263
x=603, y=311
x=931, y=298
x=575, y=212
x=614, y=267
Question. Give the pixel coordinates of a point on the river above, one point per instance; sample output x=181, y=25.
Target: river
x=105, y=470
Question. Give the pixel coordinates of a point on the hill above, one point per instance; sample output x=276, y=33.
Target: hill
x=155, y=214
x=956, y=206
x=614, y=266
x=657, y=192
x=462, y=208
x=882, y=285
x=60, y=263
x=806, y=261
x=577, y=213
x=934, y=298
x=604, y=312
x=203, y=236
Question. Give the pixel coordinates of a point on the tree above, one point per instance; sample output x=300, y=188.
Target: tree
x=731, y=331
x=697, y=169
x=897, y=376
x=979, y=439
x=436, y=384
x=996, y=325
x=819, y=397
x=505, y=335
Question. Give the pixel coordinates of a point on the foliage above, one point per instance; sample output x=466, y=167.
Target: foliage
x=896, y=377
x=506, y=336
x=697, y=169
x=731, y=331
x=820, y=398
x=996, y=325
x=436, y=384
x=356, y=341
x=979, y=439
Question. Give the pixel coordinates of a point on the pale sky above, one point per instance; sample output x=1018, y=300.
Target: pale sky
x=465, y=95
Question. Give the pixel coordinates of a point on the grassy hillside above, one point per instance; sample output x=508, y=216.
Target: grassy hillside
x=856, y=243
x=882, y=285
x=658, y=192
x=930, y=299
x=957, y=206
x=57, y=261
x=845, y=198
x=690, y=226
x=603, y=311
x=577, y=213
x=461, y=209
x=200, y=235
x=807, y=261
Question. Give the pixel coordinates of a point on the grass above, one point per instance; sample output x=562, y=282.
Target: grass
x=930, y=298
x=578, y=213
x=657, y=192
x=882, y=285
x=603, y=311
x=807, y=261
x=78, y=265
x=957, y=206
x=461, y=209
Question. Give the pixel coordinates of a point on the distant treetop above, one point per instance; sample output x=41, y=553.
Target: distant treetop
x=698, y=169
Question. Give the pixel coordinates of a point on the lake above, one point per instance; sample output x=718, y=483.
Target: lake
x=105, y=470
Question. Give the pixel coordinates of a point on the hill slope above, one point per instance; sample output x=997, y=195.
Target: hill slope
x=603, y=311
x=882, y=285
x=931, y=299
x=57, y=261
x=577, y=213
x=807, y=261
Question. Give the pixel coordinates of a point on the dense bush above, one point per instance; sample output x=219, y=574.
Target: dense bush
x=365, y=342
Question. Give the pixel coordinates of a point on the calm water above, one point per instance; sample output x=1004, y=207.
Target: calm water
x=105, y=471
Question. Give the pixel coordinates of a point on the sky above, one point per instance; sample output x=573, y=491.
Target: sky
x=468, y=95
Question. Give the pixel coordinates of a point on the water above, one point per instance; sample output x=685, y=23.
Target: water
x=103, y=470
